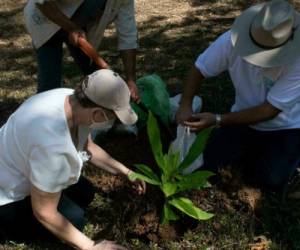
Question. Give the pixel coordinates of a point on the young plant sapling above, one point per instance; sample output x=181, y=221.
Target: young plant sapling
x=171, y=181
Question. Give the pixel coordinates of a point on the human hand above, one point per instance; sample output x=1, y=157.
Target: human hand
x=107, y=245
x=133, y=91
x=200, y=121
x=138, y=185
x=74, y=36
x=183, y=114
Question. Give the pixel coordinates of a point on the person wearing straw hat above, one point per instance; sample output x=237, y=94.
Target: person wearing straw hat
x=52, y=23
x=44, y=145
x=262, y=130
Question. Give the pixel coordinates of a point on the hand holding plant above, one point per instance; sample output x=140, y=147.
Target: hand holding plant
x=138, y=185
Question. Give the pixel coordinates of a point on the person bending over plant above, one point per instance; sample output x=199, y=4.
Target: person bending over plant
x=43, y=147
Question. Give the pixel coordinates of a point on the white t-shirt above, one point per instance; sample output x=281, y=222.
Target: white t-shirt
x=40, y=28
x=254, y=85
x=121, y=12
x=36, y=148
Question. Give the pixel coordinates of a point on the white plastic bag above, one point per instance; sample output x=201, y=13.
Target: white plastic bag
x=182, y=144
x=185, y=138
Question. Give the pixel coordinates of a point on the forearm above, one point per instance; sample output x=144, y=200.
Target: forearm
x=191, y=86
x=53, y=13
x=64, y=230
x=250, y=116
x=44, y=207
x=129, y=62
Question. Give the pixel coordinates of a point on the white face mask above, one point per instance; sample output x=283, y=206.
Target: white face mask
x=106, y=125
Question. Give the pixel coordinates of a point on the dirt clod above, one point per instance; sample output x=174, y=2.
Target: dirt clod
x=167, y=232
x=261, y=243
x=250, y=196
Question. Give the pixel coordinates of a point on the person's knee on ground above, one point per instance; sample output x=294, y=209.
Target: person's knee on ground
x=82, y=193
x=72, y=212
x=17, y=223
x=223, y=148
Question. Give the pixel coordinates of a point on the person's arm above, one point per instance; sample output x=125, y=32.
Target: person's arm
x=44, y=206
x=213, y=61
x=190, y=88
x=263, y=112
x=129, y=62
x=53, y=13
x=103, y=160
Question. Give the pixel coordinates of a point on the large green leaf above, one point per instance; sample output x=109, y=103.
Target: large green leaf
x=147, y=171
x=168, y=214
x=194, y=180
x=186, y=206
x=196, y=149
x=134, y=176
x=171, y=163
x=169, y=188
x=167, y=168
x=155, y=142
x=173, y=160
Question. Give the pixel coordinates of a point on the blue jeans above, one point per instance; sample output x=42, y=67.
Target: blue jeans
x=268, y=158
x=18, y=223
x=49, y=56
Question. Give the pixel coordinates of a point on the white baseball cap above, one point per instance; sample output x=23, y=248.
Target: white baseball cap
x=107, y=89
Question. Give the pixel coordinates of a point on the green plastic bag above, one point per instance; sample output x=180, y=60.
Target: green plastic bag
x=155, y=97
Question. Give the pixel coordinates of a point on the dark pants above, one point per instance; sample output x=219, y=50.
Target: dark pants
x=268, y=158
x=18, y=223
x=49, y=56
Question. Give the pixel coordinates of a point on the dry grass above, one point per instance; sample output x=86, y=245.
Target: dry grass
x=172, y=33
x=167, y=30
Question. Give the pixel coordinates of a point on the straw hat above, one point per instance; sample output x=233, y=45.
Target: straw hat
x=267, y=34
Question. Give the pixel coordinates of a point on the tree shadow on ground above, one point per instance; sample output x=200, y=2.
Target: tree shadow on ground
x=169, y=50
x=12, y=20
x=166, y=48
x=240, y=3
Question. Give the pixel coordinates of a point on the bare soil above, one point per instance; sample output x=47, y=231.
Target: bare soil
x=171, y=34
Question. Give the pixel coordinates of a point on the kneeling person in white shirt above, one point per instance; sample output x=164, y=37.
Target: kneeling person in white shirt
x=43, y=147
x=263, y=128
